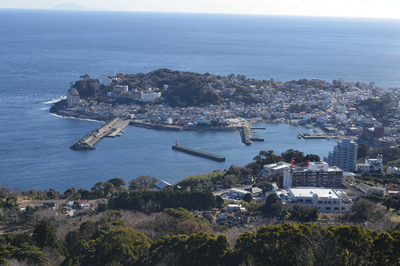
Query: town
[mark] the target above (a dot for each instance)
(336, 108)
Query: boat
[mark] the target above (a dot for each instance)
(255, 137)
(299, 136)
(121, 133)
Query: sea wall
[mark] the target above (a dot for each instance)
(199, 153)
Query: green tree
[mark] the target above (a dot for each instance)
(122, 246)
(271, 245)
(312, 158)
(248, 197)
(355, 243)
(52, 193)
(69, 192)
(142, 182)
(289, 154)
(220, 201)
(273, 205)
(197, 249)
(98, 190)
(109, 189)
(117, 182)
(180, 213)
(44, 235)
(362, 150)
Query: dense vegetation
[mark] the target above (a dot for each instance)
(189, 90)
(152, 201)
(112, 242)
(380, 106)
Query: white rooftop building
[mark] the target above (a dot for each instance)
(327, 200)
(160, 185)
(238, 192)
(274, 169)
(150, 97)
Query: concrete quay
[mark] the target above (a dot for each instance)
(199, 153)
(110, 129)
(117, 127)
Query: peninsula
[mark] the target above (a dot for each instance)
(175, 100)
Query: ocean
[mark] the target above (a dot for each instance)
(42, 51)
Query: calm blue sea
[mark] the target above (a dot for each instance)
(42, 51)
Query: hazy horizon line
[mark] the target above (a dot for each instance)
(89, 9)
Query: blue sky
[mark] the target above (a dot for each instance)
(336, 8)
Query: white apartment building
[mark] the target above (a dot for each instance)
(105, 80)
(273, 169)
(344, 155)
(327, 200)
(150, 97)
(72, 97)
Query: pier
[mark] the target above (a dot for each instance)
(110, 129)
(199, 153)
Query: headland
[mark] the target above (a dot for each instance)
(184, 101)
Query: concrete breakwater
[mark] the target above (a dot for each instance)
(110, 129)
(210, 128)
(245, 134)
(199, 153)
(313, 136)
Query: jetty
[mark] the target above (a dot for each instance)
(199, 153)
(110, 129)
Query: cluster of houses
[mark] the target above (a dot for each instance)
(68, 208)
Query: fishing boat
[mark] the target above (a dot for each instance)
(255, 137)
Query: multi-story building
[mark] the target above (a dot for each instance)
(326, 200)
(371, 165)
(150, 97)
(371, 133)
(72, 97)
(274, 169)
(344, 155)
(120, 88)
(317, 174)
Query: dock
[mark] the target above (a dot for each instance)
(110, 129)
(199, 153)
